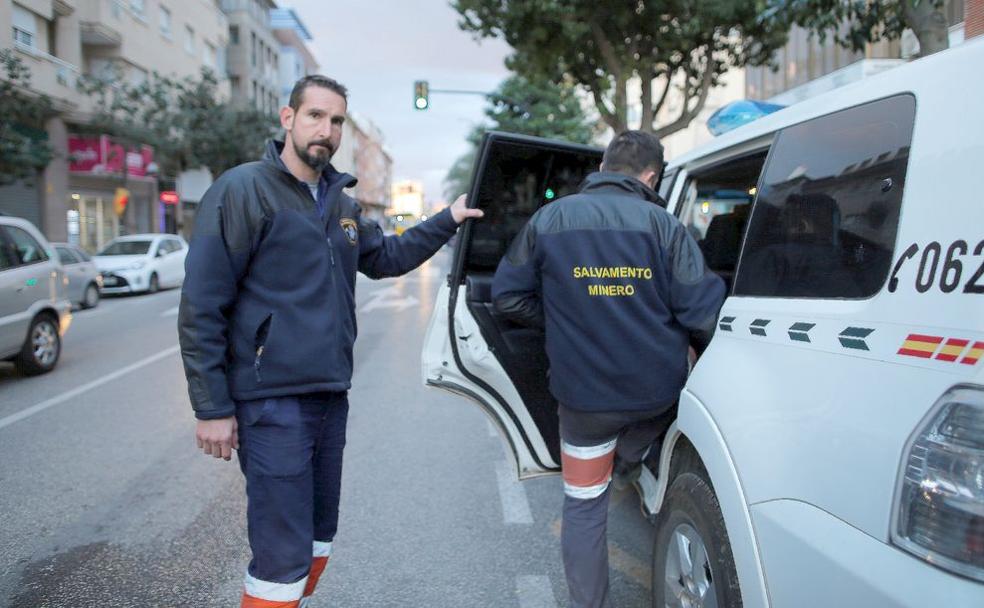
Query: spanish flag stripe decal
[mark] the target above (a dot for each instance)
(952, 349)
(917, 345)
(974, 354)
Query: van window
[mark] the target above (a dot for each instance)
(826, 217)
(23, 247)
(66, 256)
(715, 206)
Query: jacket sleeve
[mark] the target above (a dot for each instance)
(696, 293)
(217, 259)
(389, 256)
(516, 285)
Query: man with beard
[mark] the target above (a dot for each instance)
(267, 324)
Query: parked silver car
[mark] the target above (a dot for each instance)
(34, 312)
(84, 280)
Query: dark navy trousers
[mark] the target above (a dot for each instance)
(290, 450)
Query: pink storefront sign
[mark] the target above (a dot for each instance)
(100, 155)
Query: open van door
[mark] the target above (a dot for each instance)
(469, 349)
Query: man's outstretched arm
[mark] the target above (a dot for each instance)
(389, 256)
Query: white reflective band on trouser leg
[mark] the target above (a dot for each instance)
(588, 452)
(274, 592)
(586, 493)
(321, 549)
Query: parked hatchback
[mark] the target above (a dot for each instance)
(829, 445)
(34, 312)
(84, 280)
(142, 263)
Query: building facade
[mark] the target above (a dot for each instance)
(363, 154)
(296, 60)
(408, 198)
(60, 40)
(253, 55)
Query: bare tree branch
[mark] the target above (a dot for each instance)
(687, 114)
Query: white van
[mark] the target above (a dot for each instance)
(829, 449)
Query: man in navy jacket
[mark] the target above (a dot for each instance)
(267, 324)
(622, 291)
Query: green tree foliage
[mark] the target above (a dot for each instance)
(855, 23)
(24, 147)
(532, 107)
(186, 121)
(601, 46)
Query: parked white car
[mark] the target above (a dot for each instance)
(84, 280)
(34, 309)
(142, 263)
(829, 446)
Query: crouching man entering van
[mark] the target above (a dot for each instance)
(621, 289)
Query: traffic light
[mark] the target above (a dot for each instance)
(420, 90)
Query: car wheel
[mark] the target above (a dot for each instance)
(91, 296)
(692, 561)
(154, 285)
(42, 348)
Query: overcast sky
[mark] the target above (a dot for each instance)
(378, 48)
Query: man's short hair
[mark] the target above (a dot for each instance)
(314, 80)
(633, 152)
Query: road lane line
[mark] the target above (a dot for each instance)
(535, 592)
(515, 505)
(170, 312)
(75, 392)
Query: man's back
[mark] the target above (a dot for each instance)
(622, 286)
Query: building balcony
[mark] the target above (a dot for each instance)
(50, 75)
(101, 22)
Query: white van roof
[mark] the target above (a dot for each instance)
(932, 71)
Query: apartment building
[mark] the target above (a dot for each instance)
(364, 155)
(253, 55)
(59, 40)
(296, 60)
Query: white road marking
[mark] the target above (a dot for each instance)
(388, 298)
(170, 312)
(535, 592)
(75, 392)
(515, 505)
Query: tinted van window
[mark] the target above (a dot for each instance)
(23, 247)
(827, 212)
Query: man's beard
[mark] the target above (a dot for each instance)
(318, 162)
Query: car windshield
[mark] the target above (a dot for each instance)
(127, 248)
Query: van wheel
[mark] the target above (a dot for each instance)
(154, 284)
(41, 349)
(692, 561)
(91, 296)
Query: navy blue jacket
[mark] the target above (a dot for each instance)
(621, 288)
(268, 303)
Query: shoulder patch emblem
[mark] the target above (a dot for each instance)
(350, 229)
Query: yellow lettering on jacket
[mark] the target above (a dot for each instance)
(612, 272)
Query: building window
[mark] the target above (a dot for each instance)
(189, 40)
(165, 21)
(25, 26)
(827, 213)
(208, 56)
(234, 84)
(233, 34)
(252, 40)
(137, 6)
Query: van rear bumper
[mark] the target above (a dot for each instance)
(811, 558)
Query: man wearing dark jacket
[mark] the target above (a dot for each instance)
(267, 325)
(622, 291)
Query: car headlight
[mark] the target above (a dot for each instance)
(939, 503)
(137, 265)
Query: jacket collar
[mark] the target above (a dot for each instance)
(619, 183)
(331, 177)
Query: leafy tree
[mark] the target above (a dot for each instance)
(186, 121)
(855, 23)
(540, 108)
(601, 46)
(24, 147)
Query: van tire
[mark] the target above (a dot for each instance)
(42, 347)
(691, 510)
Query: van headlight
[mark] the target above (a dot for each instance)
(939, 503)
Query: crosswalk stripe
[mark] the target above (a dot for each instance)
(535, 592)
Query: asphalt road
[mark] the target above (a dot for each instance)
(104, 500)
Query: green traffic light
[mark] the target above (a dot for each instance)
(550, 194)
